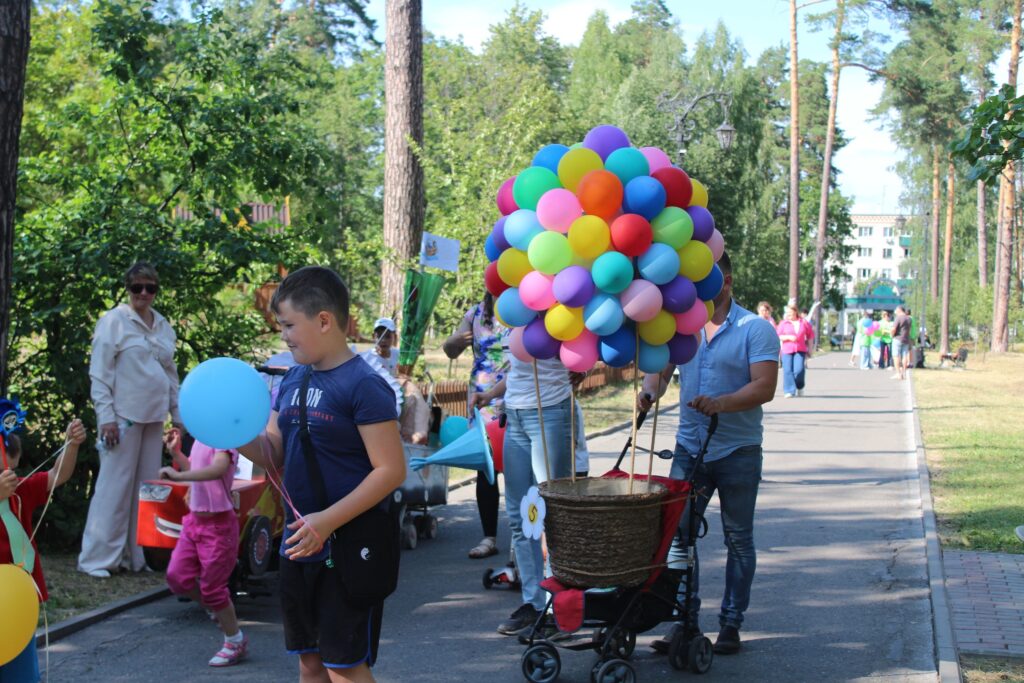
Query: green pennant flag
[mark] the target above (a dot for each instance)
(422, 290)
(21, 547)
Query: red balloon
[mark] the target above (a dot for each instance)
(496, 435)
(631, 234)
(600, 193)
(678, 188)
(495, 285)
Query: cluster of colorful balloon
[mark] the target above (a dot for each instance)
(600, 244)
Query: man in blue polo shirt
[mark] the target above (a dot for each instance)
(733, 374)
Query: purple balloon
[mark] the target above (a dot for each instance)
(678, 295)
(538, 342)
(703, 223)
(682, 348)
(573, 286)
(498, 232)
(605, 139)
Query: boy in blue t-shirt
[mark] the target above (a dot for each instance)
(355, 440)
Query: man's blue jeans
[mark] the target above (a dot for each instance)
(736, 477)
(865, 356)
(793, 369)
(524, 467)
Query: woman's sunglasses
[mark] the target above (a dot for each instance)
(137, 288)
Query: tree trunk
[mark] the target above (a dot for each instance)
(826, 173)
(1001, 303)
(933, 278)
(947, 252)
(794, 159)
(982, 238)
(15, 16)
(404, 204)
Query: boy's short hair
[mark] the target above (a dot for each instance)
(725, 263)
(140, 269)
(312, 289)
(13, 445)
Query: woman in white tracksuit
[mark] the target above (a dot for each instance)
(134, 387)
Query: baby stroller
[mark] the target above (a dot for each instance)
(618, 614)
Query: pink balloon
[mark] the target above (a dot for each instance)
(557, 209)
(515, 345)
(655, 158)
(580, 354)
(641, 300)
(691, 321)
(506, 203)
(535, 291)
(716, 243)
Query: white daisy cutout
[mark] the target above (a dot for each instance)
(532, 509)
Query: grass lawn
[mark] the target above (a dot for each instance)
(72, 592)
(973, 434)
(992, 669)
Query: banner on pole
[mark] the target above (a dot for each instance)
(440, 252)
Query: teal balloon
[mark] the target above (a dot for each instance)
(653, 358)
(224, 403)
(452, 428)
(603, 314)
(512, 309)
(612, 272)
(627, 163)
(531, 184)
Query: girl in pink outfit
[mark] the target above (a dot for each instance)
(207, 549)
(795, 333)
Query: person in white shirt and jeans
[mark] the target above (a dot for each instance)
(134, 387)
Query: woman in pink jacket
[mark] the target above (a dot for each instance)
(795, 333)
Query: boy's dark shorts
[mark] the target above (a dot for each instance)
(318, 619)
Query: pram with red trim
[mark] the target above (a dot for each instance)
(617, 615)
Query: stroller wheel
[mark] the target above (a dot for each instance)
(622, 644)
(488, 580)
(615, 671)
(700, 655)
(678, 650)
(409, 536)
(541, 663)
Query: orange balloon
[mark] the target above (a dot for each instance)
(600, 193)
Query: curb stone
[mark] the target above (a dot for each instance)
(76, 623)
(942, 623)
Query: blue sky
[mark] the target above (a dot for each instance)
(866, 162)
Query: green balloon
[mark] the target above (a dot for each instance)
(549, 252)
(612, 272)
(673, 226)
(531, 184)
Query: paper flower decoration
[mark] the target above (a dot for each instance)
(532, 509)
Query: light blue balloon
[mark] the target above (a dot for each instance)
(512, 309)
(603, 314)
(653, 358)
(224, 403)
(612, 272)
(452, 428)
(659, 264)
(549, 156)
(521, 227)
(627, 163)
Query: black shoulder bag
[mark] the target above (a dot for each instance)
(366, 550)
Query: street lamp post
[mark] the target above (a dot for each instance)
(683, 126)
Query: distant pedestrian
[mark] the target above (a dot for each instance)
(885, 326)
(796, 335)
(764, 309)
(862, 341)
(901, 342)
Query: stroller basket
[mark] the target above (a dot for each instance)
(599, 534)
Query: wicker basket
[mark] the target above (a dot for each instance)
(600, 535)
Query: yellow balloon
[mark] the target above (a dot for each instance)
(695, 261)
(563, 322)
(711, 308)
(700, 194)
(20, 605)
(513, 265)
(589, 236)
(577, 163)
(659, 329)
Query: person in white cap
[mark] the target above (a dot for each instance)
(385, 334)
(414, 420)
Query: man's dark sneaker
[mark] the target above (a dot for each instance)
(728, 641)
(522, 618)
(661, 645)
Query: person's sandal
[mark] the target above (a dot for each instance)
(484, 548)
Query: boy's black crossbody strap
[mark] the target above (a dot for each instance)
(316, 477)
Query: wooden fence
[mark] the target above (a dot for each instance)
(451, 394)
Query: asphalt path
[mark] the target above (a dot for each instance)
(841, 592)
